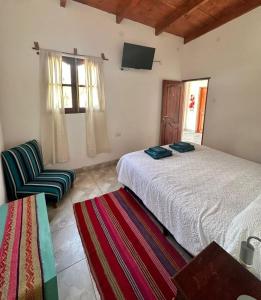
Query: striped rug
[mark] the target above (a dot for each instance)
(20, 261)
(128, 255)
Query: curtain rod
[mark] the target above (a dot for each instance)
(74, 54)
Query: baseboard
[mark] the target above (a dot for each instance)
(97, 166)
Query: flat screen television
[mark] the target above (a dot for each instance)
(137, 57)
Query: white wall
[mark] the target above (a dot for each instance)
(133, 97)
(2, 185)
(231, 55)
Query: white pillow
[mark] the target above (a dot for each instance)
(245, 224)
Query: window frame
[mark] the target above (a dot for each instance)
(74, 63)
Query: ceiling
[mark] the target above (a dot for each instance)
(185, 18)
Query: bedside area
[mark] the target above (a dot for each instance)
(215, 275)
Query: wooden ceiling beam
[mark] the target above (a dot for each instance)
(228, 15)
(124, 10)
(63, 3)
(169, 3)
(177, 14)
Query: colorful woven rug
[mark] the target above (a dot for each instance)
(27, 268)
(128, 255)
(20, 271)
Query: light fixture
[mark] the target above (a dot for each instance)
(247, 251)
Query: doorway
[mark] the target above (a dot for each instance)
(183, 111)
(172, 111)
(195, 99)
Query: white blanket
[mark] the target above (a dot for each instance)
(244, 225)
(195, 195)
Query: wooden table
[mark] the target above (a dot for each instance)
(215, 275)
(27, 264)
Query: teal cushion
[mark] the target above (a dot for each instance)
(154, 155)
(32, 157)
(54, 183)
(53, 190)
(15, 172)
(65, 178)
(25, 174)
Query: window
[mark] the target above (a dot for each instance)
(74, 85)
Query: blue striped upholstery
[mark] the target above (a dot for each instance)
(32, 157)
(25, 174)
(14, 171)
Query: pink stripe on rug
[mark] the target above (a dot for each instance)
(143, 242)
(132, 265)
(174, 254)
(17, 222)
(127, 259)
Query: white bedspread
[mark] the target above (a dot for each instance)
(195, 195)
(244, 225)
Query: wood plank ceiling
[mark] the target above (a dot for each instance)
(185, 18)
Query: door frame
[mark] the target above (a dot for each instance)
(181, 109)
(200, 108)
(199, 79)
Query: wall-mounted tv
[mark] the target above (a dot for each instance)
(137, 57)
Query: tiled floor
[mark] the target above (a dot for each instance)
(74, 280)
(192, 137)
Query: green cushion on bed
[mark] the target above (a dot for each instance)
(158, 152)
(182, 147)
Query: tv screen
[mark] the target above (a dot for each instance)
(137, 57)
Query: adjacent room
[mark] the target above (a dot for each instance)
(195, 102)
(130, 149)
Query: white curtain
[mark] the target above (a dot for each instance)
(54, 138)
(96, 127)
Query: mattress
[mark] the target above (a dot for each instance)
(195, 195)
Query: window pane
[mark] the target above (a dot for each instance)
(67, 97)
(66, 70)
(81, 74)
(82, 97)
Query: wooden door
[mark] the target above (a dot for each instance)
(172, 111)
(201, 109)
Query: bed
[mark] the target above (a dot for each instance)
(195, 195)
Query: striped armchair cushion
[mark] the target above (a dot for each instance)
(25, 174)
(15, 172)
(32, 157)
(53, 190)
